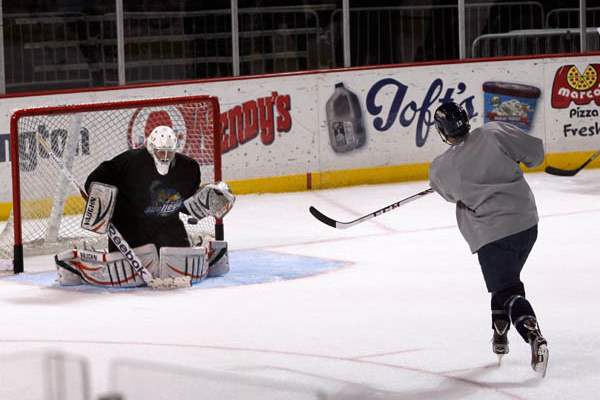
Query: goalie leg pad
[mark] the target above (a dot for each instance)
(69, 275)
(218, 258)
(104, 269)
(177, 262)
(66, 275)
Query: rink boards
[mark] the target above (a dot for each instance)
(324, 129)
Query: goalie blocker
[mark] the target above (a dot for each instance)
(87, 266)
(99, 207)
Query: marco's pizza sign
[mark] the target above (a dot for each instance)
(573, 86)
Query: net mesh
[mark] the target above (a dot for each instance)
(82, 138)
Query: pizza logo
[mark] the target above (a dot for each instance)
(583, 81)
(570, 85)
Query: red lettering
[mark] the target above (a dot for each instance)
(266, 119)
(236, 122)
(228, 141)
(284, 119)
(250, 130)
(245, 122)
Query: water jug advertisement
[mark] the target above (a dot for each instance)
(515, 103)
(344, 120)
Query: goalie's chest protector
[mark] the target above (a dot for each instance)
(148, 203)
(151, 195)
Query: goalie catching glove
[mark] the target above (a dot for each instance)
(212, 199)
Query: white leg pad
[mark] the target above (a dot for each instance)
(104, 269)
(65, 277)
(177, 262)
(218, 258)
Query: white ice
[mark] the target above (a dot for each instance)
(406, 318)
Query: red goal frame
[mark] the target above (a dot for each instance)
(18, 262)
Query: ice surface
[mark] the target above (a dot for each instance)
(405, 314)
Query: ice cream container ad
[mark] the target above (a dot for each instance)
(510, 102)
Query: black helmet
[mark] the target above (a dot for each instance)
(452, 122)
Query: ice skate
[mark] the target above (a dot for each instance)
(539, 347)
(500, 339)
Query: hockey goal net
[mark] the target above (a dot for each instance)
(47, 208)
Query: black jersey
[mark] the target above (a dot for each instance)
(148, 204)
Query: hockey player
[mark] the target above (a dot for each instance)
(496, 214)
(151, 185)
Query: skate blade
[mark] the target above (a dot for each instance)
(500, 351)
(541, 366)
(500, 359)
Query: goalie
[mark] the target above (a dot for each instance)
(142, 191)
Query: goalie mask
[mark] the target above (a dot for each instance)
(162, 145)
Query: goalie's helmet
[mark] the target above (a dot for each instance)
(451, 122)
(162, 145)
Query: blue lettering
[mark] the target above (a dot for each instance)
(43, 131)
(468, 105)
(28, 151)
(425, 117)
(375, 109)
(84, 142)
(404, 119)
(58, 141)
(4, 149)
(408, 113)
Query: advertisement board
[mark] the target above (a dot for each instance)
(330, 128)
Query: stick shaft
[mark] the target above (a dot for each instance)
(344, 225)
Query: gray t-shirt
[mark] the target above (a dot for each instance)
(482, 176)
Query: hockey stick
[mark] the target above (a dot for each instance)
(115, 236)
(344, 225)
(571, 172)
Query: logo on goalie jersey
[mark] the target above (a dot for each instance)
(164, 201)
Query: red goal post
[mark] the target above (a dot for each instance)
(47, 209)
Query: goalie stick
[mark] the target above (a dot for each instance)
(571, 172)
(344, 225)
(115, 236)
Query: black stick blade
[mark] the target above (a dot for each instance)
(561, 172)
(571, 172)
(322, 217)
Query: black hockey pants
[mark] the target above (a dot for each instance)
(501, 263)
